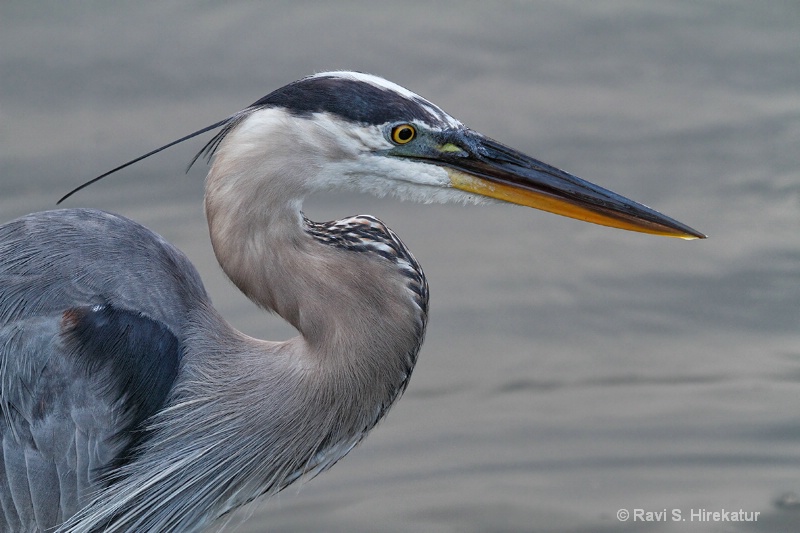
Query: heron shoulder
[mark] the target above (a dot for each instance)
(92, 257)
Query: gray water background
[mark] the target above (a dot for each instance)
(569, 370)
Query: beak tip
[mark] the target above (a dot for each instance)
(696, 237)
(687, 233)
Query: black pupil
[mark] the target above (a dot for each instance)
(405, 133)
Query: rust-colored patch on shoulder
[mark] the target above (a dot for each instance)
(71, 318)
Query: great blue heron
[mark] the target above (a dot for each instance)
(129, 404)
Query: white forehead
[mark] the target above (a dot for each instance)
(377, 81)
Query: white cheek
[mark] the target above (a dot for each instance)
(408, 180)
(369, 139)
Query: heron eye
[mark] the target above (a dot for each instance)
(403, 133)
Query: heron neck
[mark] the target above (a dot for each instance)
(353, 310)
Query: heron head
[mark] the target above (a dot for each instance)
(358, 131)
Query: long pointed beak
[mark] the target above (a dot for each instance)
(480, 165)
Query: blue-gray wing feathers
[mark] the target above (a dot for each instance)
(90, 327)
